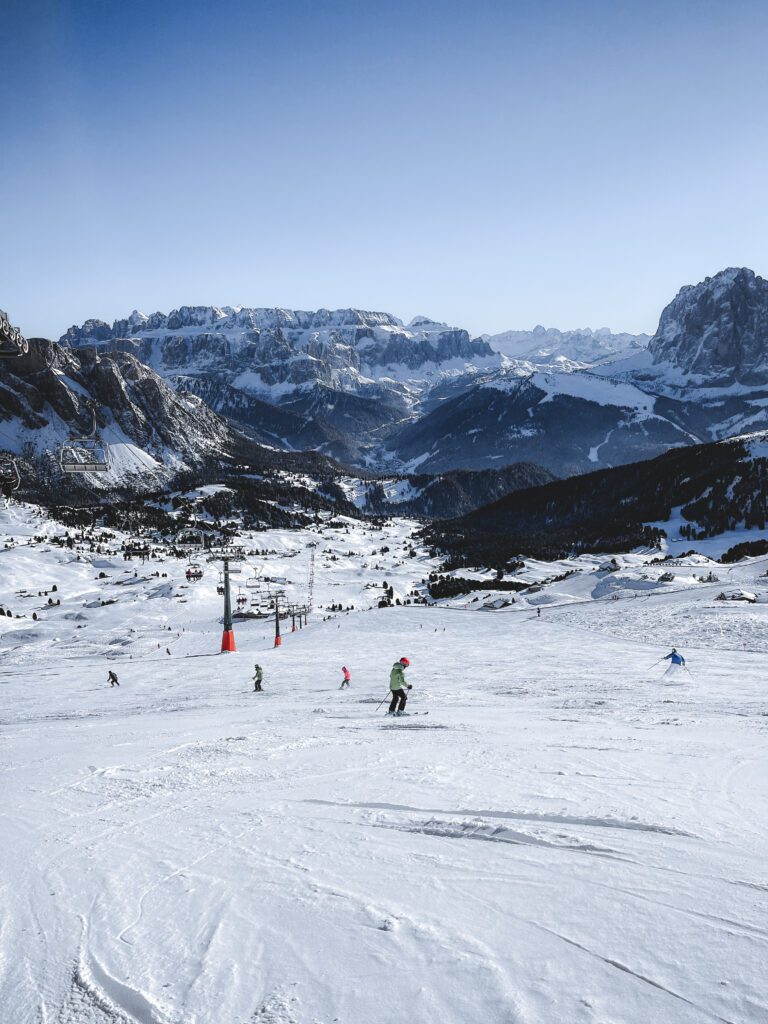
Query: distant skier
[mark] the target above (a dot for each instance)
(399, 687)
(676, 664)
(112, 678)
(538, 613)
(346, 677)
(258, 675)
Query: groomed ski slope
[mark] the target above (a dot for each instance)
(565, 837)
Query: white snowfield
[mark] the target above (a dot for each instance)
(558, 834)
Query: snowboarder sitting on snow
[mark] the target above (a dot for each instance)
(399, 687)
(346, 677)
(258, 675)
(112, 678)
(677, 659)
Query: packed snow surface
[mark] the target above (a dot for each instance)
(558, 834)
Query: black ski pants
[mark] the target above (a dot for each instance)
(398, 696)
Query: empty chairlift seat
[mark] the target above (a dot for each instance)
(84, 455)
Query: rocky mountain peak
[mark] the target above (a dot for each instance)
(717, 330)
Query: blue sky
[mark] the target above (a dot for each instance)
(496, 165)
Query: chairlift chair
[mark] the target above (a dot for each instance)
(134, 549)
(190, 538)
(194, 572)
(87, 454)
(84, 455)
(10, 479)
(12, 341)
(254, 582)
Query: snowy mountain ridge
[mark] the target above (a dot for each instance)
(547, 346)
(373, 392)
(348, 347)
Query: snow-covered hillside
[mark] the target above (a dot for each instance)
(557, 833)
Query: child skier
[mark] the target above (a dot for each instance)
(399, 687)
(346, 677)
(258, 675)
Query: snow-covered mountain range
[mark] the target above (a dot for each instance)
(427, 397)
(703, 376)
(565, 350)
(349, 381)
(340, 379)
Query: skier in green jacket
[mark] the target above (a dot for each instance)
(258, 675)
(399, 687)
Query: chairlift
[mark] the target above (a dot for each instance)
(194, 572)
(10, 479)
(192, 538)
(134, 549)
(242, 598)
(12, 341)
(254, 582)
(87, 454)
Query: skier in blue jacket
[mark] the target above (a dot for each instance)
(675, 658)
(676, 666)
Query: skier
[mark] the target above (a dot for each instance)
(676, 664)
(676, 659)
(538, 613)
(112, 678)
(258, 675)
(346, 677)
(399, 687)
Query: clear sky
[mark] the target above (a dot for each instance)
(493, 164)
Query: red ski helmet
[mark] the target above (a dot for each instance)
(404, 661)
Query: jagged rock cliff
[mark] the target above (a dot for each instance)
(716, 332)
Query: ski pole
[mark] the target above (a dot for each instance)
(655, 664)
(383, 702)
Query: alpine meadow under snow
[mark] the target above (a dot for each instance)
(559, 832)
